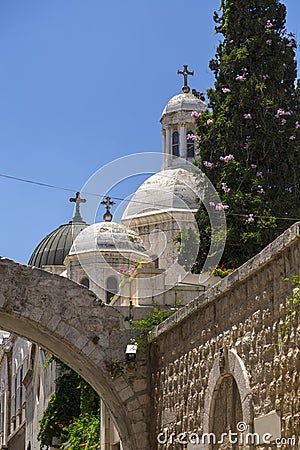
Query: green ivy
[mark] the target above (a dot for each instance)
(142, 328)
(292, 310)
(69, 407)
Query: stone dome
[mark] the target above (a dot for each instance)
(184, 102)
(168, 190)
(108, 236)
(53, 249)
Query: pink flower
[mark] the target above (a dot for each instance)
(292, 138)
(283, 121)
(208, 164)
(280, 112)
(195, 114)
(265, 77)
(225, 187)
(212, 204)
(231, 41)
(260, 189)
(226, 90)
(259, 174)
(269, 24)
(209, 121)
(240, 78)
(191, 137)
(247, 116)
(253, 166)
(290, 43)
(250, 218)
(269, 42)
(220, 206)
(297, 125)
(226, 158)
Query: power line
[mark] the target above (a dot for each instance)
(52, 186)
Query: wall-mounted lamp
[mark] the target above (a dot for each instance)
(130, 352)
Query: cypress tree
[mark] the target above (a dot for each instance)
(249, 138)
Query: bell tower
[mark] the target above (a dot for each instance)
(178, 125)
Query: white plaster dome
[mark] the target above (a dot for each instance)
(108, 236)
(168, 190)
(184, 102)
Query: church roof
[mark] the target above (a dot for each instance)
(184, 102)
(53, 249)
(168, 190)
(108, 236)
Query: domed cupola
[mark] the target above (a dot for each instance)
(178, 123)
(53, 249)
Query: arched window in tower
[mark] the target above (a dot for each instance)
(85, 282)
(175, 143)
(190, 146)
(112, 288)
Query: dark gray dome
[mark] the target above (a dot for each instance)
(53, 249)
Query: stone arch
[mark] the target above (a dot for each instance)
(72, 323)
(228, 364)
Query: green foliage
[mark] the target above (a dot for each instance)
(83, 432)
(253, 116)
(188, 248)
(221, 271)
(293, 309)
(115, 369)
(143, 327)
(73, 400)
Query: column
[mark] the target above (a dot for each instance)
(182, 142)
(168, 148)
(164, 164)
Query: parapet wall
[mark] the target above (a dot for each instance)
(226, 341)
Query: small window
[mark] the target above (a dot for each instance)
(112, 288)
(190, 146)
(175, 143)
(85, 282)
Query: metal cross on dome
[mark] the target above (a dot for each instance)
(77, 200)
(185, 72)
(108, 203)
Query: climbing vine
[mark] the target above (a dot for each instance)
(292, 310)
(72, 414)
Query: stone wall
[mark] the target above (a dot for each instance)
(231, 335)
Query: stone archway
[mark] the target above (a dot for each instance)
(228, 377)
(69, 321)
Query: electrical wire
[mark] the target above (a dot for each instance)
(52, 186)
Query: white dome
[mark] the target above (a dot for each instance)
(107, 236)
(184, 102)
(169, 190)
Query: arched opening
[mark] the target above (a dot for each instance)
(71, 323)
(190, 146)
(175, 143)
(85, 282)
(226, 412)
(112, 288)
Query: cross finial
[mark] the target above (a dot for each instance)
(108, 203)
(185, 72)
(77, 200)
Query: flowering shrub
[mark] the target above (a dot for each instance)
(250, 151)
(221, 271)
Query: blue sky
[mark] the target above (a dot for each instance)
(83, 83)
